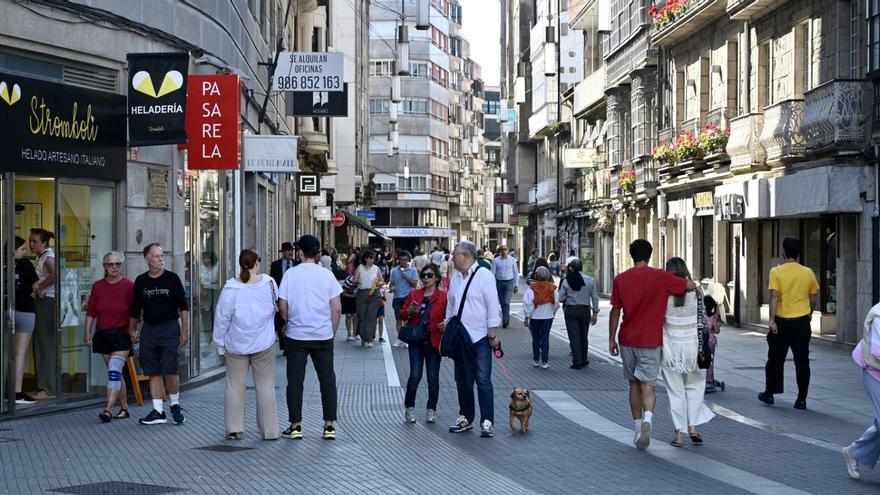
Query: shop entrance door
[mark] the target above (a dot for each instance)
(7, 298)
(85, 234)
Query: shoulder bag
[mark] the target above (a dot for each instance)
(421, 331)
(452, 339)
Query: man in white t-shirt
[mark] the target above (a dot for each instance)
(308, 299)
(420, 260)
(437, 257)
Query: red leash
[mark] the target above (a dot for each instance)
(499, 353)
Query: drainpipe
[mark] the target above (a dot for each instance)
(875, 231)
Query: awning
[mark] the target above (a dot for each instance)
(357, 222)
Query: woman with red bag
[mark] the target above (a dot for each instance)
(424, 305)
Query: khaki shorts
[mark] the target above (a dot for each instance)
(641, 363)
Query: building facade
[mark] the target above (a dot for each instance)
(82, 49)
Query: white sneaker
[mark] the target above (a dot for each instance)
(486, 429)
(545, 365)
(432, 416)
(370, 344)
(643, 439)
(397, 344)
(410, 415)
(536, 363)
(852, 465)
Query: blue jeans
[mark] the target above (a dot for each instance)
(505, 292)
(419, 356)
(475, 365)
(866, 449)
(540, 339)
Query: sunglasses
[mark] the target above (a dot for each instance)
(113, 264)
(259, 259)
(427, 275)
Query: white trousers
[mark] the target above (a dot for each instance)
(686, 391)
(263, 366)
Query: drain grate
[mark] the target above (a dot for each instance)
(223, 448)
(114, 487)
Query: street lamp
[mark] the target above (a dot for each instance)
(392, 113)
(395, 84)
(402, 50)
(406, 169)
(423, 15)
(550, 51)
(390, 151)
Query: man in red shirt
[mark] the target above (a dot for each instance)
(642, 293)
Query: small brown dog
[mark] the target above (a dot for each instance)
(521, 408)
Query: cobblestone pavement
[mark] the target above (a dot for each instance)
(579, 439)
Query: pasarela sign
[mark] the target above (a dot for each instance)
(213, 122)
(309, 71)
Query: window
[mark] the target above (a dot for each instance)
(381, 68)
(419, 183)
(379, 106)
(439, 39)
(802, 67)
(414, 106)
(439, 111)
(873, 35)
(855, 67)
(765, 75)
(439, 75)
(316, 40)
(416, 69)
(442, 6)
(439, 148)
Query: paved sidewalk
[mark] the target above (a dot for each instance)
(579, 440)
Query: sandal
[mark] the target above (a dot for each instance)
(696, 439)
(234, 436)
(105, 416)
(675, 442)
(123, 414)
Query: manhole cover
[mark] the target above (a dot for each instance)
(113, 487)
(223, 448)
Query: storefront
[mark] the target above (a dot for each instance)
(62, 158)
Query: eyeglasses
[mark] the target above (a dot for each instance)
(113, 264)
(427, 275)
(259, 259)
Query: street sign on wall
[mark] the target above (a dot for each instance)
(309, 71)
(338, 219)
(213, 120)
(505, 198)
(368, 214)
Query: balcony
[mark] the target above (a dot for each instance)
(545, 195)
(744, 146)
(781, 136)
(744, 10)
(539, 122)
(720, 117)
(590, 91)
(646, 178)
(694, 16)
(603, 185)
(835, 121)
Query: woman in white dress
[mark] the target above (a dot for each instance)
(685, 384)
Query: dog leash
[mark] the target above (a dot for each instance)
(499, 353)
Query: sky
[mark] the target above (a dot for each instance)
(482, 28)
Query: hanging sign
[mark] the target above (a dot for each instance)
(157, 98)
(213, 120)
(309, 71)
(320, 103)
(338, 219)
(57, 130)
(579, 158)
(505, 198)
(308, 184)
(271, 153)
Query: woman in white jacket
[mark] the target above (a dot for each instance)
(244, 332)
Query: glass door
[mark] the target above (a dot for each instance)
(85, 235)
(7, 299)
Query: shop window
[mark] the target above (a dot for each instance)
(819, 253)
(873, 35)
(707, 246)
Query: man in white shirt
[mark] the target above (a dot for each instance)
(308, 299)
(506, 274)
(420, 260)
(437, 256)
(480, 317)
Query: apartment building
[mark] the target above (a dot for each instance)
(426, 162)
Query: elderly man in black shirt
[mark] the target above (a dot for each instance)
(160, 308)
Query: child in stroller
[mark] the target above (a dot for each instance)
(714, 327)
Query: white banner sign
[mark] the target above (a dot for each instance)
(270, 153)
(309, 71)
(323, 213)
(416, 232)
(580, 158)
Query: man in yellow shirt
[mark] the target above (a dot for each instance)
(793, 289)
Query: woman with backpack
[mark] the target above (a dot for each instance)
(244, 332)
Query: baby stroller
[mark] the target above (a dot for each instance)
(714, 327)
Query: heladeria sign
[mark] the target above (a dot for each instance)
(56, 130)
(157, 98)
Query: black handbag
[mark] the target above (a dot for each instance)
(451, 341)
(420, 332)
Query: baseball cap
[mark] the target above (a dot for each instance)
(309, 244)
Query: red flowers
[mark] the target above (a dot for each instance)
(668, 12)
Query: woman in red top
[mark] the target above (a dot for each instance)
(425, 304)
(108, 312)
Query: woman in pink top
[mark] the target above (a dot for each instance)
(866, 450)
(108, 313)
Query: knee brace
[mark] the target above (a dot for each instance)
(114, 372)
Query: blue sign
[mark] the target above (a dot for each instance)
(368, 214)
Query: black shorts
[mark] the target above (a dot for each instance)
(159, 348)
(110, 341)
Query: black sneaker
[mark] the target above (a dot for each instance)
(329, 432)
(293, 432)
(176, 414)
(23, 398)
(154, 418)
(105, 416)
(461, 425)
(486, 430)
(766, 398)
(800, 404)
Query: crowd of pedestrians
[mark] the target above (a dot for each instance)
(660, 324)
